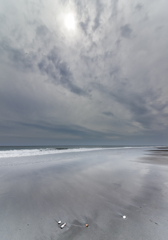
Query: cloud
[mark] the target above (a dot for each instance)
(138, 105)
(126, 31)
(51, 65)
(42, 30)
(18, 56)
(139, 7)
(59, 72)
(57, 131)
(110, 114)
(87, 83)
(84, 25)
(99, 9)
(144, 108)
(115, 8)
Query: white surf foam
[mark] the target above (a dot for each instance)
(37, 152)
(46, 151)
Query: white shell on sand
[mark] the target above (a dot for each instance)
(63, 225)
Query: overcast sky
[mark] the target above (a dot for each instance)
(83, 72)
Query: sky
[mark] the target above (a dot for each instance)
(83, 72)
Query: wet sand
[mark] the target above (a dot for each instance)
(96, 187)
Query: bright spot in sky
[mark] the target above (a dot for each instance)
(70, 21)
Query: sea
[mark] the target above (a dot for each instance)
(24, 151)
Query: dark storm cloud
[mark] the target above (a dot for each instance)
(126, 31)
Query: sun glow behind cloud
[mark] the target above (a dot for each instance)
(70, 22)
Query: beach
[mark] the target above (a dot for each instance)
(95, 187)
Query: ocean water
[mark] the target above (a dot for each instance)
(15, 156)
(22, 151)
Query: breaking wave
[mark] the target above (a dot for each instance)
(46, 151)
